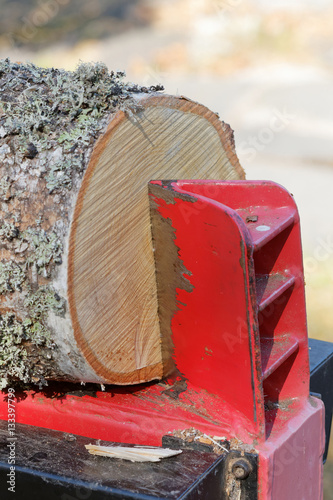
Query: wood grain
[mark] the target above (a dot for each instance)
(111, 273)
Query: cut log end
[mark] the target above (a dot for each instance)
(79, 233)
(112, 281)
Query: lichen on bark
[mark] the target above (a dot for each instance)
(45, 247)
(50, 120)
(11, 277)
(49, 107)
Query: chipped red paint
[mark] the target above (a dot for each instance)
(240, 242)
(240, 342)
(248, 281)
(140, 414)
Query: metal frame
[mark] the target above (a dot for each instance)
(55, 465)
(240, 350)
(321, 380)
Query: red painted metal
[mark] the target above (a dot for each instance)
(291, 458)
(240, 341)
(141, 414)
(216, 346)
(245, 261)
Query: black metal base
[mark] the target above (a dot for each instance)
(54, 465)
(321, 379)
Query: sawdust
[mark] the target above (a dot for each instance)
(219, 444)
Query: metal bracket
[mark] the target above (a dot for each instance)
(321, 376)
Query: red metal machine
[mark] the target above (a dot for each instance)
(240, 345)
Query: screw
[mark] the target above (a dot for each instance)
(241, 469)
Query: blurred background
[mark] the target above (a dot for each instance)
(265, 67)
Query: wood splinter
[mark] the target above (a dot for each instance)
(136, 454)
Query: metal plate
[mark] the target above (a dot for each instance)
(52, 464)
(55, 465)
(321, 378)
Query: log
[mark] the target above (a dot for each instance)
(77, 275)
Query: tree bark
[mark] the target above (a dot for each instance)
(77, 276)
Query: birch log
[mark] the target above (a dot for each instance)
(77, 278)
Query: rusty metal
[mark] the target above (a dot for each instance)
(241, 469)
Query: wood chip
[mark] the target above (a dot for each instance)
(136, 454)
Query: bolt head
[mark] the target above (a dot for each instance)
(241, 469)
